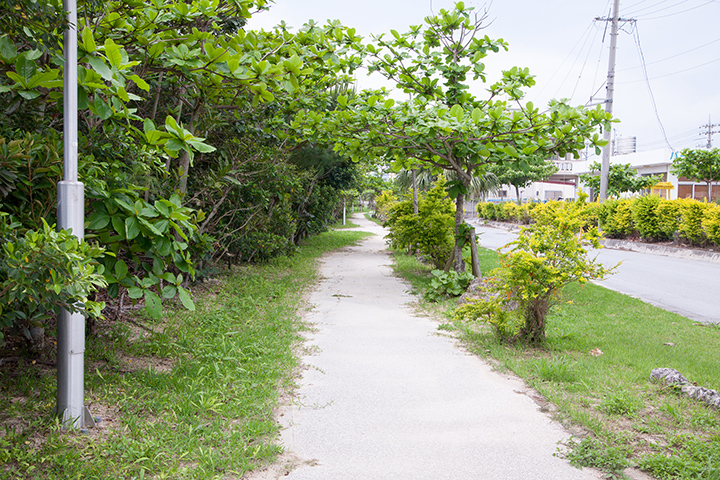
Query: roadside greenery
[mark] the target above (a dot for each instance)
(650, 218)
(622, 178)
(184, 148)
(444, 126)
(190, 395)
(598, 383)
(429, 233)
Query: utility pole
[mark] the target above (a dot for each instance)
(610, 88)
(71, 216)
(709, 131)
(605, 168)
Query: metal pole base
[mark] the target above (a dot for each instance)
(85, 420)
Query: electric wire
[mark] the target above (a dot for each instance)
(647, 82)
(583, 39)
(635, 12)
(582, 69)
(685, 70)
(678, 13)
(673, 56)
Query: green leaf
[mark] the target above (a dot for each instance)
(477, 114)
(88, 40)
(169, 291)
(186, 299)
(135, 292)
(372, 100)
(142, 84)
(98, 221)
(132, 227)
(8, 51)
(121, 270)
(153, 304)
(99, 66)
(112, 52)
(102, 109)
(457, 112)
(25, 69)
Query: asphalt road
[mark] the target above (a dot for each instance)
(690, 287)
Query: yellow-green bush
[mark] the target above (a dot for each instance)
(430, 232)
(711, 223)
(691, 220)
(655, 219)
(615, 218)
(511, 211)
(383, 202)
(668, 213)
(645, 216)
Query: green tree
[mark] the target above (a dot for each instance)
(444, 126)
(622, 178)
(547, 256)
(700, 165)
(538, 169)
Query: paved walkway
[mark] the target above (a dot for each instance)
(386, 396)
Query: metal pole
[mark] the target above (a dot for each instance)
(605, 169)
(71, 215)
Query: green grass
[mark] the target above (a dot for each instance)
(630, 420)
(193, 400)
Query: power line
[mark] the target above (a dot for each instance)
(583, 39)
(647, 82)
(635, 12)
(673, 56)
(685, 70)
(678, 13)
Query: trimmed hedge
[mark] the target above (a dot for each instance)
(651, 218)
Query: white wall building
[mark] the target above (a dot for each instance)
(565, 183)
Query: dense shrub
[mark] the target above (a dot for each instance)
(430, 232)
(42, 271)
(645, 216)
(383, 202)
(691, 219)
(711, 223)
(615, 218)
(668, 213)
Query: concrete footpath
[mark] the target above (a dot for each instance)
(385, 395)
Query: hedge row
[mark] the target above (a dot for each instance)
(649, 218)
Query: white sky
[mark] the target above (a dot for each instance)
(561, 44)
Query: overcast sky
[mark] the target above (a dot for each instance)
(559, 41)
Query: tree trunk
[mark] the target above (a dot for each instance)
(709, 191)
(533, 332)
(416, 208)
(474, 255)
(184, 169)
(517, 193)
(458, 261)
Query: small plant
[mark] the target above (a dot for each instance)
(447, 284)
(546, 257)
(505, 323)
(557, 369)
(621, 404)
(42, 271)
(593, 452)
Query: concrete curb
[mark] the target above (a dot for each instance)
(640, 247)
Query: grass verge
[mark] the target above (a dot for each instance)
(626, 420)
(189, 397)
